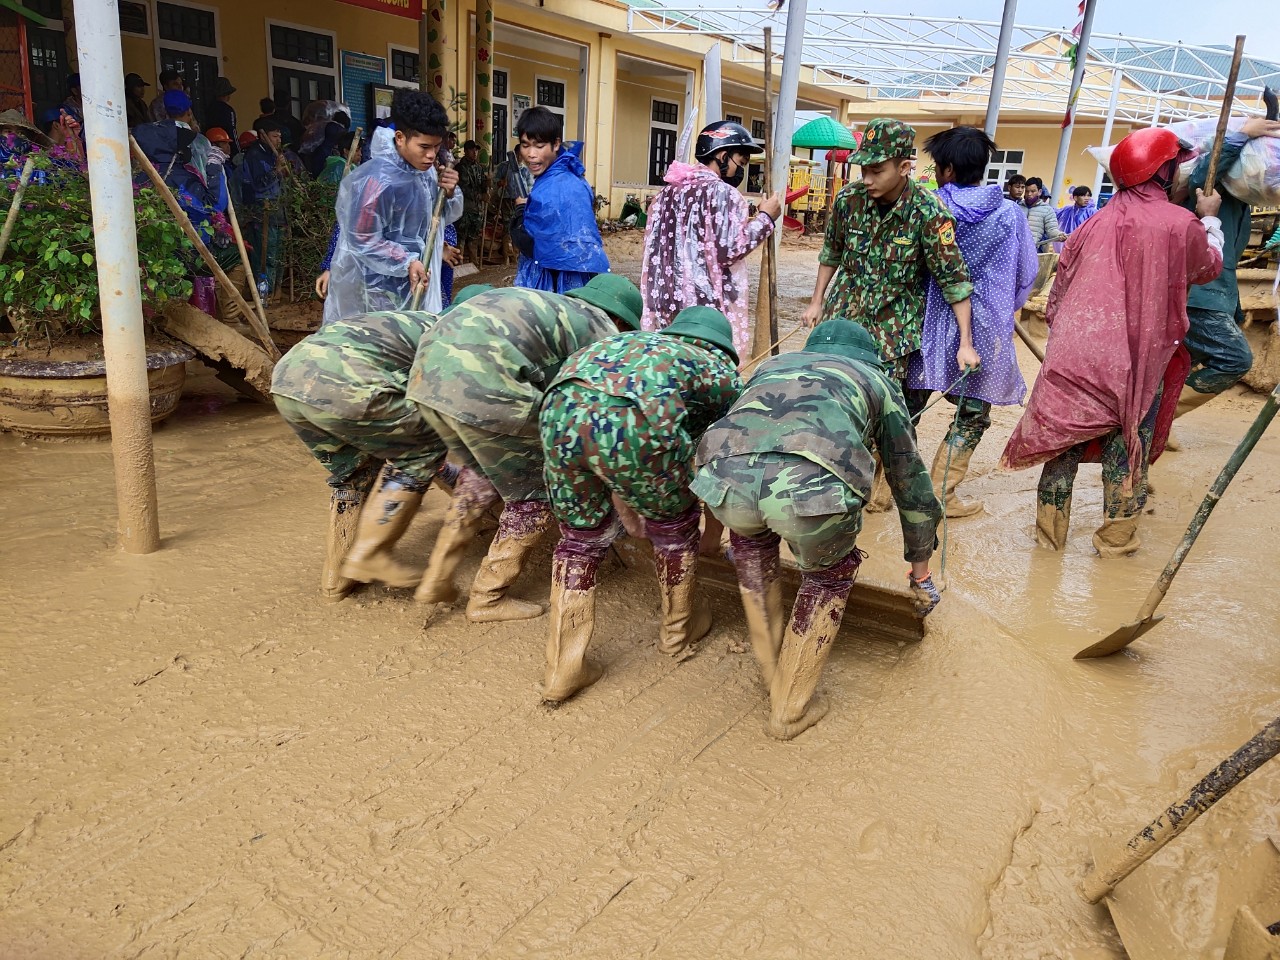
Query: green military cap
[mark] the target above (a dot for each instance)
(884, 139)
(469, 291)
(707, 325)
(615, 295)
(844, 338)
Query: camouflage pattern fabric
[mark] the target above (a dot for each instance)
(811, 508)
(965, 433)
(512, 464)
(488, 361)
(883, 263)
(355, 369)
(597, 445)
(472, 181)
(345, 446)
(832, 411)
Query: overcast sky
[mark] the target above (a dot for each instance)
(1202, 22)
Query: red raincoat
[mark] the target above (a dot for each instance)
(1117, 316)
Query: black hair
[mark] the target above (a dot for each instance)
(267, 105)
(471, 145)
(415, 112)
(1036, 182)
(342, 119)
(1017, 180)
(1082, 191)
(540, 125)
(966, 150)
(267, 125)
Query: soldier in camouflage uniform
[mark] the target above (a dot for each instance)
(478, 380)
(623, 418)
(792, 460)
(342, 391)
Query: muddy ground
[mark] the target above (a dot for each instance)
(203, 760)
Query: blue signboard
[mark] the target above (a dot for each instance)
(359, 70)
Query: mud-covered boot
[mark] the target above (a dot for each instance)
(794, 705)
(675, 558)
(473, 494)
(383, 521)
(344, 515)
(756, 561)
(881, 498)
(947, 477)
(1190, 399)
(1117, 537)
(1051, 525)
(573, 609)
(521, 526)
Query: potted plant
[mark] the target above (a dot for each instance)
(52, 371)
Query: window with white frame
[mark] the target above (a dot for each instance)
(733, 118)
(402, 63)
(303, 65)
(502, 132)
(549, 92)
(1004, 164)
(186, 40)
(757, 130)
(664, 126)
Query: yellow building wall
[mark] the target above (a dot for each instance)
(636, 93)
(521, 79)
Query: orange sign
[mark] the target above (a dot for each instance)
(400, 8)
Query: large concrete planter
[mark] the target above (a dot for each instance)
(62, 399)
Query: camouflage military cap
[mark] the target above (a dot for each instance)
(844, 338)
(885, 139)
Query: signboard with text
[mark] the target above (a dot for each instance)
(360, 71)
(399, 8)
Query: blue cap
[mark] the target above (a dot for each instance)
(176, 103)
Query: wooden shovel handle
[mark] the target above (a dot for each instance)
(1227, 99)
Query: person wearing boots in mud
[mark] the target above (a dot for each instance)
(886, 236)
(342, 391)
(792, 460)
(1115, 361)
(993, 235)
(479, 378)
(623, 418)
(1220, 355)
(700, 232)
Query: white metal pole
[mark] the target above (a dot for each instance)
(116, 243)
(711, 85)
(1116, 77)
(1077, 78)
(784, 123)
(1000, 66)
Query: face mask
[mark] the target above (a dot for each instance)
(735, 180)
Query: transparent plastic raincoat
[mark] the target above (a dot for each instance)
(384, 214)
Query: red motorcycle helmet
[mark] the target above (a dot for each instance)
(1139, 156)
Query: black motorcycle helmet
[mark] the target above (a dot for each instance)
(724, 135)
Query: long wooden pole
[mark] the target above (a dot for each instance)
(1228, 98)
(415, 302)
(184, 222)
(766, 331)
(12, 216)
(351, 153)
(244, 260)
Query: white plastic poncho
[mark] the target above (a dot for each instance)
(384, 214)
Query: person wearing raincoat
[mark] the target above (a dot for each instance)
(700, 232)
(384, 213)
(555, 229)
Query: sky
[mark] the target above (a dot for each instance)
(1178, 19)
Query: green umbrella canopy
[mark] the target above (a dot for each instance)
(824, 134)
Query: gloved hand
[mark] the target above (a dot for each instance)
(924, 593)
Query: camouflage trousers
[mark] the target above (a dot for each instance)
(597, 445)
(784, 494)
(966, 430)
(512, 464)
(346, 447)
(1058, 478)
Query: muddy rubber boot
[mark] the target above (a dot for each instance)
(344, 516)
(573, 618)
(1117, 538)
(675, 558)
(1189, 399)
(881, 498)
(383, 521)
(472, 496)
(1051, 525)
(756, 561)
(521, 526)
(945, 480)
(794, 706)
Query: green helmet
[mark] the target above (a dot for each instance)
(707, 325)
(844, 338)
(616, 296)
(469, 291)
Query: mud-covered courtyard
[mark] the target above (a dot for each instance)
(201, 759)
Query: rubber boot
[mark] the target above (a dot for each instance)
(472, 496)
(1051, 525)
(1117, 537)
(794, 706)
(573, 609)
(383, 521)
(1189, 399)
(675, 558)
(881, 496)
(521, 526)
(946, 478)
(756, 561)
(344, 516)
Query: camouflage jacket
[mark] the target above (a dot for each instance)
(678, 384)
(832, 410)
(884, 261)
(357, 368)
(489, 360)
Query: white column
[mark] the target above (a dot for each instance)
(711, 84)
(1117, 76)
(788, 90)
(116, 244)
(1000, 66)
(1077, 78)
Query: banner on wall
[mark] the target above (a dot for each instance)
(399, 8)
(360, 72)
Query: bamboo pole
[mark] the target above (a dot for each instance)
(351, 153)
(767, 300)
(415, 302)
(244, 260)
(12, 217)
(184, 222)
(1227, 98)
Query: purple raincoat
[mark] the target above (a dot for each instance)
(996, 242)
(1070, 217)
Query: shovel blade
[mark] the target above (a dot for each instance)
(1119, 639)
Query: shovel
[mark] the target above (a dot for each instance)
(1147, 619)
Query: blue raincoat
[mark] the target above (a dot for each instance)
(560, 216)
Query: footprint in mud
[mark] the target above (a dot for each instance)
(874, 839)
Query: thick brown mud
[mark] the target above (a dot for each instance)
(202, 759)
